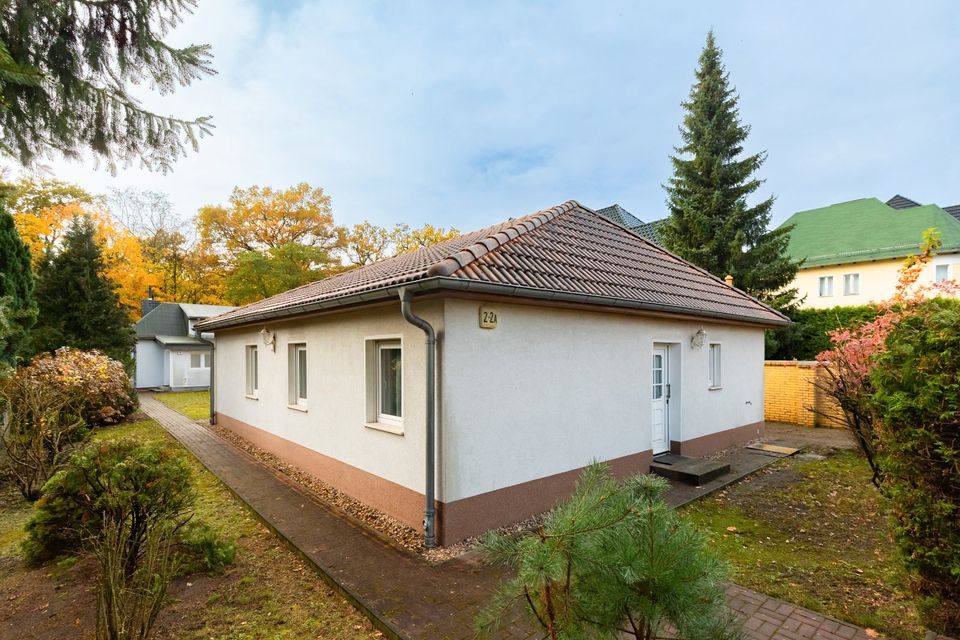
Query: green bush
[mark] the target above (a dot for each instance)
(205, 549)
(612, 561)
(143, 484)
(916, 402)
(807, 337)
(41, 426)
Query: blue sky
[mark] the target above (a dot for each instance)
(467, 113)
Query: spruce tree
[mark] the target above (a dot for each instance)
(16, 288)
(710, 223)
(79, 307)
(66, 72)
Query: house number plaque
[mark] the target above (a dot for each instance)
(488, 318)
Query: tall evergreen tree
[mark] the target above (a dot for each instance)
(711, 223)
(16, 288)
(79, 307)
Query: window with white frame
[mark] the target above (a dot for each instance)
(297, 357)
(389, 382)
(826, 286)
(942, 273)
(198, 360)
(252, 367)
(714, 366)
(851, 284)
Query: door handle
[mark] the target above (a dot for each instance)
(668, 393)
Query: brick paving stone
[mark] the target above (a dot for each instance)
(402, 594)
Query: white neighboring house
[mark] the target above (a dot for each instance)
(169, 354)
(561, 338)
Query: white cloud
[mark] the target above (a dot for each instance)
(466, 113)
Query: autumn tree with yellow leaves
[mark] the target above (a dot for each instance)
(271, 240)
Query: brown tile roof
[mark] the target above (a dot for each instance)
(565, 253)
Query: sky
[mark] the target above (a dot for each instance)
(465, 114)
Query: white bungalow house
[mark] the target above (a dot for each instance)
(471, 381)
(168, 352)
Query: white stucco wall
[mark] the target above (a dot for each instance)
(549, 390)
(336, 413)
(150, 364)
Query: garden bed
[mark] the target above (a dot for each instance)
(268, 593)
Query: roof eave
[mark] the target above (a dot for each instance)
(476, 286)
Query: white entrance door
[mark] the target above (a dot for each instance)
(179, 368)
(660, 427)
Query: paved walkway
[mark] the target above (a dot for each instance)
(402, 594)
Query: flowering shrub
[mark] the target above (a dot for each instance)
(98, 385)
(851, 360)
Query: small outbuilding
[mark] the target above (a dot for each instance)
(466, 385)
(168, 352)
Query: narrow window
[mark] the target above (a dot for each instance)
(198, 360)
(851, 284)
(715, 366)
(389, 383)
(826, 286)
(942, 273)
(253, 384)
(298, 374)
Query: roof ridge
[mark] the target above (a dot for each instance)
(502, 236)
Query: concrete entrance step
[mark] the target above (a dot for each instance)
(695, 471)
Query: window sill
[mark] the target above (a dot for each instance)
(714, 388)
(395, 429)
(297, 407)
(250, 396)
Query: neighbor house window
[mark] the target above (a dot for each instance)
(253, 383)
(714, 366)
(942, 273)
(389, 383)
(298, 375)
(826, 286)
(851, 284)
(198, 360)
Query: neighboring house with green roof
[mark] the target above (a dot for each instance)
(853, 250)
(646, 230)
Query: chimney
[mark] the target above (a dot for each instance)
(148, 305)
(729, 280)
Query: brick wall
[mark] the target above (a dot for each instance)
(790, 395)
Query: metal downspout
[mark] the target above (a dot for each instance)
(430, 514)
(213, 348)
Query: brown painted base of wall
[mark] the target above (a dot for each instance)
(474, 515)
(705, 445)
(406, 505)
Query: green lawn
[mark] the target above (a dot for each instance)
(813, 532)
(268, 593)
(193, 404)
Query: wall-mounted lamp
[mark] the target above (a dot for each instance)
(697, 339)
(269, 338)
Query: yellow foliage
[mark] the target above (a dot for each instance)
(258, 219)
(124, 262)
